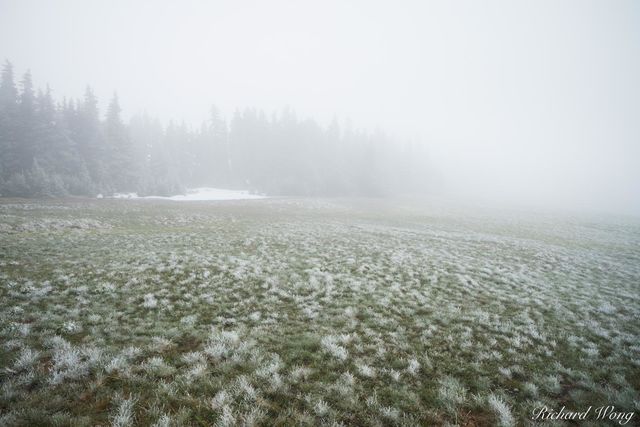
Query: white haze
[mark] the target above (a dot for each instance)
(533, 103)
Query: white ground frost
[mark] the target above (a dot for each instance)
(311, 312)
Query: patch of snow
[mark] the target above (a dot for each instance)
(197, 194)
(122, 196)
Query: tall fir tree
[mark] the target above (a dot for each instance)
(119, 151)
(87, 133)
(27, 141)
(9, 163)
(219, 134)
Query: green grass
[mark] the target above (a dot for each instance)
(307, 312)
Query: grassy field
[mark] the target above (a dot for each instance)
(312, 312)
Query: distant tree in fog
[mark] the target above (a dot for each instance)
(119, 158)
(52, 149)
(8, 121)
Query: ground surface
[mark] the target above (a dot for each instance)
(300, 312)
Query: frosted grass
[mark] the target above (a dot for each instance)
(311, 312)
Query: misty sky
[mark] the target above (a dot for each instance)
(534, 102)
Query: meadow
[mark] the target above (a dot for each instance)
(313, 312)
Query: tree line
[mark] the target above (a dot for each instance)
(58, 148)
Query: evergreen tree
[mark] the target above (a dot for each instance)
(8, 91)
(8, 123)
(88, 137)
(220, 161)
(26, 138)
(119, 153)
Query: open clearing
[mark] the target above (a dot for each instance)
(311, 312)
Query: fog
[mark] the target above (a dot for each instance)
(328, 212)
(523, 103)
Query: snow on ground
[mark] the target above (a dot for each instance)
(198, 194)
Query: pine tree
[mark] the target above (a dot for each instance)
(26, 138)
(56, 150)
(87, 134)
(8, 130)
(119, 152)
(220, 162)
(8, 91)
